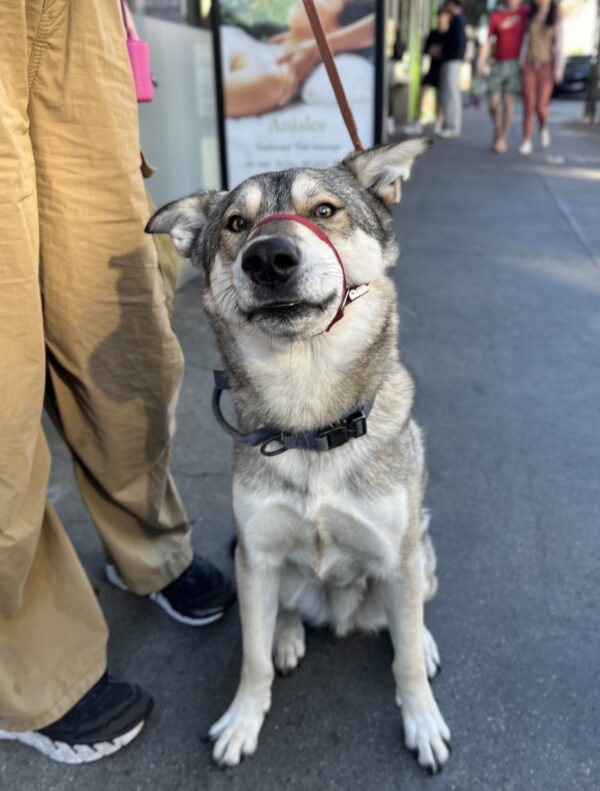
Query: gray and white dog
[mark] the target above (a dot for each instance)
(335, 536)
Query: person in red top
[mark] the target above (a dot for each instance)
(505, 38)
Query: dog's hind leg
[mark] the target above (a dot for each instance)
(290, 646)
(236, 733)
(430, 585)
(428, 559)
(432, 655)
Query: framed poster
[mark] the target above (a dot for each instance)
(277, 109)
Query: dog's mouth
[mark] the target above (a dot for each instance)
(286, 311)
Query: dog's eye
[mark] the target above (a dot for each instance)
(325, 210)
(237, 224)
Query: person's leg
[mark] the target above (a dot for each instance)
(494, 86)
(422, 91)
(53, 645)
(458, 108)
(451, 97)
(52, 633)
(444, 91)
(115, 363)
(494, 108)
(439, 110)
(544, 94)
(507, 111)
(511, 88)
(450, 91)
(529, 81)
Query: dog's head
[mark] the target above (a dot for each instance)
(281, 276)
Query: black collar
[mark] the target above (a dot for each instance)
(350, 426)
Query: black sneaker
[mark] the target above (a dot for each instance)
(198, 597)
(106, 719)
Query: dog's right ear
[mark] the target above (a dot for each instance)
(184, 219)
(381, 169)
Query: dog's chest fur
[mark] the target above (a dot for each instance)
(332, 530)
(329, 537)
(334, 517)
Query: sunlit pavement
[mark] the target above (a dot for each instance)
(499, 285)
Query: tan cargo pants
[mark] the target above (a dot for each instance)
(82, 319)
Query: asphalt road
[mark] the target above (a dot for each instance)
(499, 285)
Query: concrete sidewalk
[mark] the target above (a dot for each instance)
(499, 285)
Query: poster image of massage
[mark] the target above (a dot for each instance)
(278, 107)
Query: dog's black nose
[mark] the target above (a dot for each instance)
(270, 261)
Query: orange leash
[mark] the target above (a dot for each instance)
(334, 77)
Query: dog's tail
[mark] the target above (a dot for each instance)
(428, 559)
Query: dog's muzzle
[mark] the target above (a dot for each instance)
(272, 261)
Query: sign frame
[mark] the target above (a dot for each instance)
(378, 95)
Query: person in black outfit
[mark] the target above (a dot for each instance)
(454, 46)
(434, 47)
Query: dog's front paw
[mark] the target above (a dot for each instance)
(425, 732)
(236, 733)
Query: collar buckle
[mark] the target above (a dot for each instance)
(355, 425)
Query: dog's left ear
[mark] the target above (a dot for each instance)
(184, 219)
(380, 169)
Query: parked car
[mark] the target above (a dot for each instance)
(578, 69)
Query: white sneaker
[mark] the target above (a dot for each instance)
(448, 134)
(526, 148)
(108, 717)
(413, 129)
(196, 598)
(544, 137)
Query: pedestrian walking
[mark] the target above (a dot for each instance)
(543, 65)
(434, 48)
(83, 325)
(505, 39)
(455, 43)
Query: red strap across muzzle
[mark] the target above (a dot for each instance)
(348, 295)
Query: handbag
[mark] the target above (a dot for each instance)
(139, 57)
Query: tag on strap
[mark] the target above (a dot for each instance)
(359, 291)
